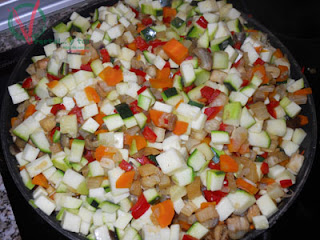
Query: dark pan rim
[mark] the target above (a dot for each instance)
(83, 9)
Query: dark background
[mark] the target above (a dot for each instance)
(297, 25)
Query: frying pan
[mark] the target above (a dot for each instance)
(8, 110)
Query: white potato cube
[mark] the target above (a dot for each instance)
(170, 161)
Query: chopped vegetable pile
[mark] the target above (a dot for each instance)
(151, 122)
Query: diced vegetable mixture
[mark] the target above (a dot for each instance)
(159, 122)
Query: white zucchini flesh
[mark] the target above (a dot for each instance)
(266, 205)
(260, 222)
(165, 161)
(224, 208)
(102, 233)
(45, 204)
(71, 222)
(39, 165)
(17, 93)
(73, 179)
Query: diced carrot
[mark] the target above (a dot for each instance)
(29, 111)
(13, 120)
(284, 163)
(169, 12)
(103, 151)
(228, 164)
(303, 120)
(21, 168)
(52, 84)
(284, 73)
(40, 180)
(128, 139)
(305, 91)
(155, 116)
(278, 53)
(132, 46)
(261, 69)
(125, 180)
(180, 127)
(176, 51)
(258, 49)
(202, 100)
(156, 83)
(140, 27)
(112, 76)
(207, 204)
(267, 181)
(99, 118)
(140, 141)
(252, 227)
(184, 225)
(177, 105)
(164, 213)
(206, 140)
(244, 185)
(52, 196)
(92, 94)
(162, 79)
(163, 74)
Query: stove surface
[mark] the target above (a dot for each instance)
(25, 12)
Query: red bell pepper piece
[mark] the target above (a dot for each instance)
(147, 21)
(264, 168)
(166, 19)
(52, 77)
(141, 43)
(53, 131)
(141, 90)
(88, 155)
(245, 82)
(286, 183)
(124, 165)
(222, 127)
(135, 11)
(140, 207)
(138, 72)
(144, 160)
(209, 93)
(271, 106)
(188, 89)
(264, 155)
(237, 45)
(213, 165)
(77, 111)
(57, 107)
(149, 134)
(134, 107)
(104, 55)
(212, 112)
(156, 43)
(214, 196)
(202, 22)
(86, 67)
(27, 82)
(259, 61)
(188, 237)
